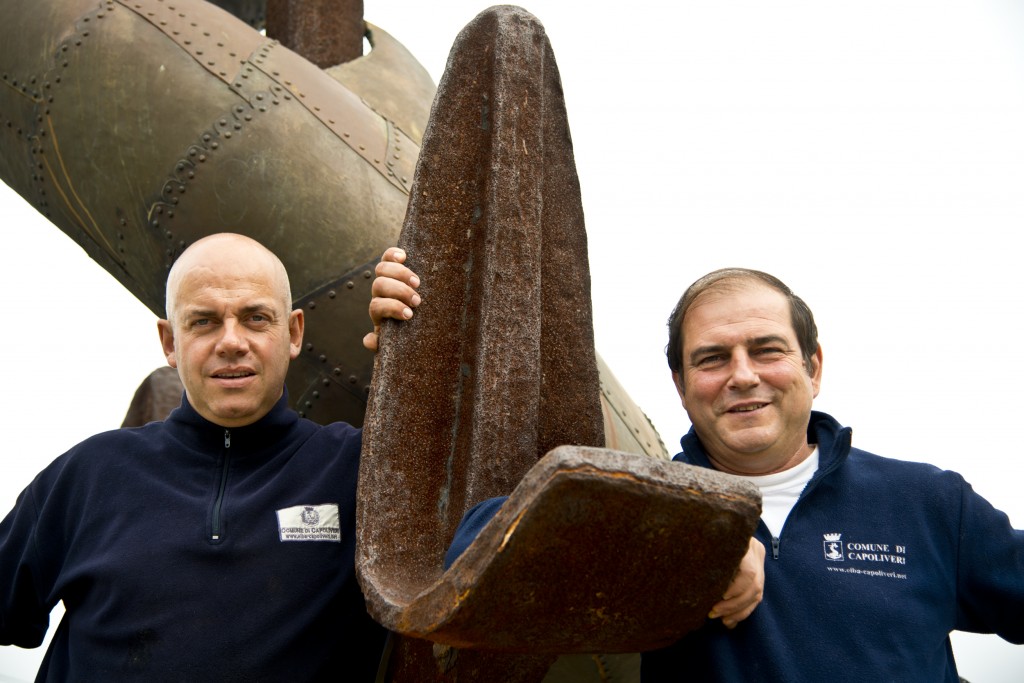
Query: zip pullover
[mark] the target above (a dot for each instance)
(877, 563)
(184, 551)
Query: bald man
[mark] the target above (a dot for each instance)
(217, 545)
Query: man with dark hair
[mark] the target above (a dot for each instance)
(803, 320)
(873, 561)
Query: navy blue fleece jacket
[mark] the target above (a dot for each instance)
(184, 551)
(878, 561)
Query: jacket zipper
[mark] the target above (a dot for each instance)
(811, 485)
(215, 535)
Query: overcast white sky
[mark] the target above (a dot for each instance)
(870, 154)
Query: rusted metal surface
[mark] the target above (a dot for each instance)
(474, 231)
(419, 661)
(542, 577)
(138, 126)
(497, 369)
(156, 397)
(494, 210)
(326, 32)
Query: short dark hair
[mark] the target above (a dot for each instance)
(799, 312)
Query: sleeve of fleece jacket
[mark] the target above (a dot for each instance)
(990, 584)
(472, 522)
(24, 614)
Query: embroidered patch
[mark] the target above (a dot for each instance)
(834, 547)
(309, 523)
(865, 559)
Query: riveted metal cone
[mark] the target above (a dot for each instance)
(139, 126)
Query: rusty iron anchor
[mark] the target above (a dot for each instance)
(493, 389)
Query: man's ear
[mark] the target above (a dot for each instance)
(815, 371)
(163, 327)
(677, 380)
(296, 326)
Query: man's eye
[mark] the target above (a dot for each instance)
(708, 360)
(201, 322)
(259, 318)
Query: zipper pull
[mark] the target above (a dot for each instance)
(227, 438)
(775, 547)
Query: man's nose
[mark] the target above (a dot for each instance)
(233, 339)
(744, 373)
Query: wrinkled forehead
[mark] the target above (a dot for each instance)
(736, 285)
(737, 290)
(220, 273)
(202, 285)
(740, 306)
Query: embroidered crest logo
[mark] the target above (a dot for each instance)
(310, 516)
(309, 523)
(834, 547)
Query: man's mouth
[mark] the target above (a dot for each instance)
(233, 375)
(748, 408)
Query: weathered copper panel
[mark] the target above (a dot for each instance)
(138, 126)
(390, 79)
(626, 427)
